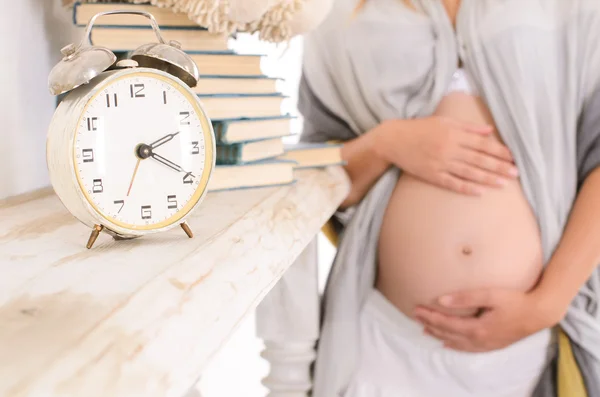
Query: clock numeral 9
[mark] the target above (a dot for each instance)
(138, 93)
(196, 148)
(97, 188)
(91, 123)
(172, 202)
(88, 155)
(188, 178)
(115, 104)
(146, 212)
(184, 118)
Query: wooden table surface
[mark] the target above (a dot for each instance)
(142, 317)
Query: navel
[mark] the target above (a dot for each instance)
(467, 250)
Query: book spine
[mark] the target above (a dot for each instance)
(220, 129)
(229, 154)
(74, 13)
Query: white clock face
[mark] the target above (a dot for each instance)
(142, 153)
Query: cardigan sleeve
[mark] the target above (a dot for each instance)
(588, 137)
(320, 123)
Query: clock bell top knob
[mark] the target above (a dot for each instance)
(68, 50)
(79, 66)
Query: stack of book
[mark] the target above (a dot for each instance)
(243, 104)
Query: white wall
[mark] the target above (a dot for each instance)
(32, 32)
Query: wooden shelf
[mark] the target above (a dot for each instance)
(142, 317)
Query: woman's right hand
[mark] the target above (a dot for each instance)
(459, 156)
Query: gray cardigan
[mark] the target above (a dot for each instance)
(537, 64)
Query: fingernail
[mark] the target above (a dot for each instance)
(514, 171)
(501, 182)
(445, 300)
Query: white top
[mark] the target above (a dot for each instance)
(461, 81)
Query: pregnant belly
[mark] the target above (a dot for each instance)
(434, 241)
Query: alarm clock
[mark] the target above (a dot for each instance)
(130, 149)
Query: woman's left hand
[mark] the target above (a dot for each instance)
(505, 317)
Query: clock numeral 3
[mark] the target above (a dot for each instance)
(195, 148)
(146, 212)
(172, 202)
(108, 102)
(91, 123)
(121, 203)
(188, 178)
(184, 118)
(88, 155)
(138, 93)
(97, 188)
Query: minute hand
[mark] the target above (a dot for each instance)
(168, 163)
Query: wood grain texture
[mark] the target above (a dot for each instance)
(142, 317)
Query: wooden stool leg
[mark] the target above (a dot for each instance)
(288, 322)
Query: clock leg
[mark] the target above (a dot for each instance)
(187, 230)
(95, 233)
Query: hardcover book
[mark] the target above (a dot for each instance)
(240, 153)
(253, 175)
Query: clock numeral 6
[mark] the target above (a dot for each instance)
(136, 90)
(172, 202)
(97, 188)
(146, 212)
(88, 155)
(188, 178)
(185, 116)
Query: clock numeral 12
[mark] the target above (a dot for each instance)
(88, 155)
(138, 93)
(108, 100)
(119, 202)
(91, 123)
(146, 212)
(195, 148)
(172, 202)
(185, 118)
(97, 188)
(188, 178)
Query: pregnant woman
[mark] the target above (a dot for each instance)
(468, 260)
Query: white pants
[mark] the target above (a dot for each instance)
(398, 360)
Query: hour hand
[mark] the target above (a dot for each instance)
(163, 140)
(166, 162)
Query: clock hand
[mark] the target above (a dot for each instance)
(133, 177)
(163, 140)
(168, 163)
